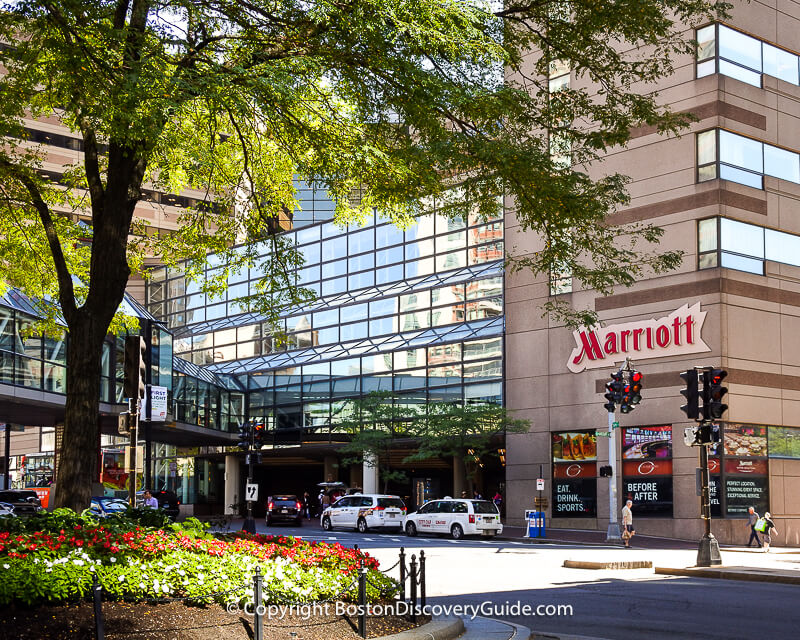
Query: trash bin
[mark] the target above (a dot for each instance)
(535, 524)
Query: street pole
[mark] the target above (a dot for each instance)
(708, 552)
(249, 525)
(7, 454)
(613, 534)
(134, 441)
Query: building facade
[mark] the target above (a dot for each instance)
(726, 194)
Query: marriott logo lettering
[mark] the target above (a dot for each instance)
(676, 334)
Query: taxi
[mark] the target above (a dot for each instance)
(456, 517)
(364, 512)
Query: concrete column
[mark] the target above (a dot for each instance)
(458, 476)
(331, 469)
(232, 477)
(370, 470)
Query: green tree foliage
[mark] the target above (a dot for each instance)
(403, 100)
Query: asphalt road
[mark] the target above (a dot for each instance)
(617, 605)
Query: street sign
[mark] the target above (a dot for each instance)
(615, 425)
(540, 484)
(251, 492)
(603, 434)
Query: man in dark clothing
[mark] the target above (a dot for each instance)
(752, 518)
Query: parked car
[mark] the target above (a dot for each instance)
(364, 512)
(24, 501)
(456, 517)
(167, 501)
(6, 509)
(104, 506)
(284, 508)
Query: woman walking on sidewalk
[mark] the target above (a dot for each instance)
(627, 523)
(768, 529)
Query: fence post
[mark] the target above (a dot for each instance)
(402, 574)
(97, 594)
(258, 622)
(362, 599)
(422, 578)
(412, 574)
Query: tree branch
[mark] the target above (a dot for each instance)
(66, 292)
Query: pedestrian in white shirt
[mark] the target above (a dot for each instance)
(627, 523)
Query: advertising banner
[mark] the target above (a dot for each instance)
(575, 498)
(647, 468)
(742, 492)
(742, 441)
(734, 466)
(639, 443)
(651, 496)
(569, 446)
(575, 470)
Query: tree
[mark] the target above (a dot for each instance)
(375, 423)
(468, 432)
(403, 100)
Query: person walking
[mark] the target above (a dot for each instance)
(627, 523)
(768, 530)
(752, 518)
(307, 504)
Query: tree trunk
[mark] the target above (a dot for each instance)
(77, 460)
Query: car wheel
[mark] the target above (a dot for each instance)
(361, 525)
(457, 532)
(411, 529)
(326, 524)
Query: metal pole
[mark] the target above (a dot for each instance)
(422, 578)
(134, 440)
(249, 523)
(402, 574)
(708, 551)
(7, 453)
(97, 593)
(613, 534)
(413, 575)
(362, 599)
(258, 623)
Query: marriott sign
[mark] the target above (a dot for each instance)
(678, 333)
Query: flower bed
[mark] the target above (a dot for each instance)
(56, 561)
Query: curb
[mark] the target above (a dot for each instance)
(729, 574)
(556, 541)
(440, 629)
(625, 564)
(552, 635)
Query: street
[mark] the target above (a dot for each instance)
(612, 604)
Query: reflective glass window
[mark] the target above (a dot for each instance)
(409, 358)
(334, 248)
(332, 287)
(740, 73)
(359, 263)
(741, 263)
(349, 367)
(418, 300)
(389, 274)
(781, 163)
(706, 42)
(483, 348)
(383, 307)
(782, 247)
(355, 331)
(330, 335)
(740, 48)
(389, 256)
(747, 178)
(740, 151)
(361, 280)
(354, 312)
(335, 268)
(780, 64)
(419, 268)
(739, 237)
(362, 241)
(707, 234)
(388, 235)
(383, 326)
(707, 147)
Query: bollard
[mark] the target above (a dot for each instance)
(422, 578)
(412, 574)
(362, 599)
(97, 592)
(258, 622)
(402, 574)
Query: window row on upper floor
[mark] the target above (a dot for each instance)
(721, 49)
(723, 242)
(730, 156)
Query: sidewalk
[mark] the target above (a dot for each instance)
(593, 538)
(479, 629)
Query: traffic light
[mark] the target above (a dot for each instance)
(259, 435)
(134, 368)
(245, 436)
(631, 392)
(692, 406)
(613, 392)
(713, 392)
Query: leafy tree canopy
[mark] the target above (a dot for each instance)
(403, 100)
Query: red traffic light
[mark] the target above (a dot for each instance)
(636, 377)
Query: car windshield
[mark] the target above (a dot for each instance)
(391, 502)
(282, 500)
(115, 505)
(484, 506)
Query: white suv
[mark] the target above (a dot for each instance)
(456, 517)
(364, 512)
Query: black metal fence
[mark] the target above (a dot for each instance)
(412, 574)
